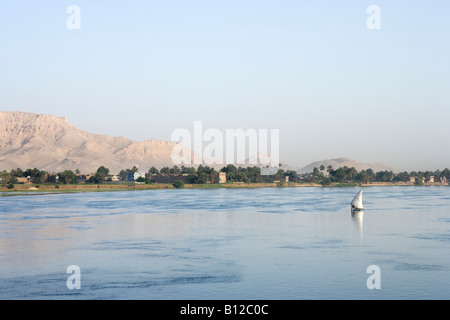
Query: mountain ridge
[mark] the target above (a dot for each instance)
(341, 162)
(50, 143)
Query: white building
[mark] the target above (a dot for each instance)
(133, 176)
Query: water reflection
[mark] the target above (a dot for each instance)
(357, 217)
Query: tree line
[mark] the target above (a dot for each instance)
(8, 178)
(348, 175)
(200, 175)
(205, 174)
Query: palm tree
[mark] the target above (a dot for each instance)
(352, 173)
(315, 172)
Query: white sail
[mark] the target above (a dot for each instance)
(357, 201)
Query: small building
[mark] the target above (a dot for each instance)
(412, 179)
(431, 179)
(53, 178)
(81, 178)
(133, 176)
(84, 178)
(222, 177)
(161, 178)
(24, 180)
(443, 179)
(286, 178)
(113, 178)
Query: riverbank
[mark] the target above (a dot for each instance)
(152, 186)
(62, 188)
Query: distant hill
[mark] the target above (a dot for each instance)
(50, 143)
(341, 162)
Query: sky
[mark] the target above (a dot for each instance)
(312, 69)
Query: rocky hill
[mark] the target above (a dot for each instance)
(341, 162)
(50, 143)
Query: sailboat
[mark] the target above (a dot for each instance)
(356, 203)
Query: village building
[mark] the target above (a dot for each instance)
(113, 178)
(133, 176)
(222, 177)
(52, 178)
(84, 178)
(24, 180)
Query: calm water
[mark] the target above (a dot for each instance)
(275, 243)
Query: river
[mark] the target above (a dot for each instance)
(268, 243)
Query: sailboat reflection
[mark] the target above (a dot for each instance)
(357, 217)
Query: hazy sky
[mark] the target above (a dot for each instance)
(311, 69)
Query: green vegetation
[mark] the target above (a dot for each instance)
(344, 176)
(208, 177)
(153, 170)
(204, 174)
(142, 180)
(345, 185)
(325, 181)
(178, 184)
(247, 175)
(36, 175)
(68, 177)
(123, 173)
(100, 176)
(281, 184)
(5, 177)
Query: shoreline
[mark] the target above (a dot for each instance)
(54, 189)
